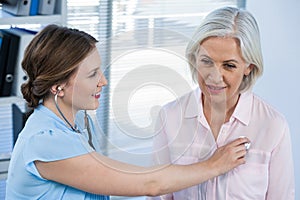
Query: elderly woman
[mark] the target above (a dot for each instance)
(225, 59)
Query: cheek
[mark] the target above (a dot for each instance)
(234, 80)
(81, 97)
(82, 90)
(202, 74)
(201, 82)
(200, 78)
(77, 90)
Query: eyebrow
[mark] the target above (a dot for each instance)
(225, 61)
(231, 60)
(206, 56)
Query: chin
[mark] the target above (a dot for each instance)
(93, 106)
(217, 98)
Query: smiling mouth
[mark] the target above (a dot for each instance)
(215, 89)
(97, 95)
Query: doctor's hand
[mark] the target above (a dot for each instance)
(229, 156)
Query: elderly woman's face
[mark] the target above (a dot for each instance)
(221, 69)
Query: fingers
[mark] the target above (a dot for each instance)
(247, 144)
(231, 155)
(241, 141)
(241, 146)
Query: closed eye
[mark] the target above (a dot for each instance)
(93, 74)
(206, 62)
(229, 66)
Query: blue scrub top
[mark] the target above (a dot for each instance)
(46, 137)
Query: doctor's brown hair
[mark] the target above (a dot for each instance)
(51, 58)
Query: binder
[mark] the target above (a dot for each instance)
(20, 77)
(21, 7)
(11, 2)
(46, 7)
(34, 6)
(19, 118)
(8, 75)
(4, 47)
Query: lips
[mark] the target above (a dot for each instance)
(97, 95)
(215, 89)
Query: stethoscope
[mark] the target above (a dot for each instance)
(74, 128)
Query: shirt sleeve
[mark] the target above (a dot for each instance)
(281, 181)
(53, 145)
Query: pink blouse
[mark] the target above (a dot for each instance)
(184, 137)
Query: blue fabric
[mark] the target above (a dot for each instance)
(45, 137)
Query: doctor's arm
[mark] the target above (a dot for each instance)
(98, 174)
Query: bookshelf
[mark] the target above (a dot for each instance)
(59, 16)
(8, 20)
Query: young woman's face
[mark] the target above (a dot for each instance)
(85, 86)
(221, 69)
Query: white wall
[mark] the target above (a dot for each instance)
(279, 22)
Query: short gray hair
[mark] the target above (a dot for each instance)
(235, 23)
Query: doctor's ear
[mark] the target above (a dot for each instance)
(57, 89)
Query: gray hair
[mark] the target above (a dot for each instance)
(235, 23)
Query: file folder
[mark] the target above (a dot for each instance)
(46, 7)
(34, 6)
(19, 118)
(9, 71)
(24, 38)
(11, 2)
(22, 7)
(4, 46)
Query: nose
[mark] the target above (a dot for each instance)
(102, 81)
(215, 75)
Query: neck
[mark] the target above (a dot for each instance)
(67, 113)
(218, 113)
